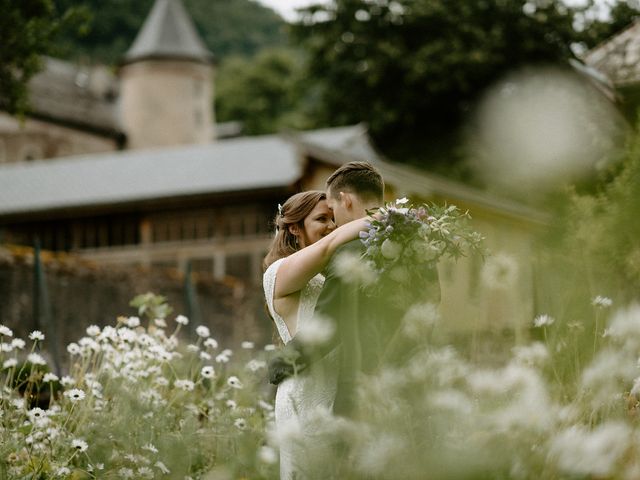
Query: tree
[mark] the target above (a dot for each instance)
(227, 27)
(622, 14)
(412, 69)
(265, 92)
(28, 29)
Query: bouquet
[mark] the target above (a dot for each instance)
(404, 242)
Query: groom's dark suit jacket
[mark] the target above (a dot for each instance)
(366, 322)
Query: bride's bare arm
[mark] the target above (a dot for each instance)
(297, 269)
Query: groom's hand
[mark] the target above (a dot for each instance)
(285, 364)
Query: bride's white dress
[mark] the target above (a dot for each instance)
(299, 397)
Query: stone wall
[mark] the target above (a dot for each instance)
(82, 293)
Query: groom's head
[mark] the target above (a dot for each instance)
(352, 189)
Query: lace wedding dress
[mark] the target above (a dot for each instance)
(299, 397)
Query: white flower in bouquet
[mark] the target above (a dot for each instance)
(390, 249)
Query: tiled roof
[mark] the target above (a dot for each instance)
(168, 32)
(238, 164)
(619, 57)
(76, 95)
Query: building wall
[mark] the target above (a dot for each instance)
(37, 139)
(82, 293)
(166, 103)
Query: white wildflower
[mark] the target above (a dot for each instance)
(316, 331)
(182, 320)
(160, 322)
(161, 381)
(240, 423)
(231, 404)
(543, 321)
(125, 473)
(247, 345)
(221, 358)
(145, 472)
(6, 347)
(93, 330)
(162, 467)
(593, 454)
(5, 331)
(625, 326)
(211, 343)
(132, 322)
(36, 335)
(265, 405)
(35, 413)
(234, 382)
(500, 271)
(419, 320)
(255, 365)
(203, 331)
(268, 455)
(193, 348)
(269, 347)
(36, 359)
(73, 348)
(186, 385)
(602, 302)
(402, 201)
(18, 343)
(79, 444)
(150, 447)
(353, 269)
(62, 471)
(207, 371)
(67, 381)
(375, 455)
(12, 362)
(205, 356)
(534, 354)
(75, 395)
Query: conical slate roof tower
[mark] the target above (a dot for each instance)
(167, 82)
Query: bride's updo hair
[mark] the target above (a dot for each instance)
(293, 212)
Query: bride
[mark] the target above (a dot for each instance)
(306, 238)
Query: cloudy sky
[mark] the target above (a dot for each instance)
(286, 8)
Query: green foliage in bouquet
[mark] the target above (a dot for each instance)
(405, 242)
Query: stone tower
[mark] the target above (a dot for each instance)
(167, 82)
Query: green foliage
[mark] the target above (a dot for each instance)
(29, 28)
(227, 27)
(604, 228)
(265, 92)
(412, 69)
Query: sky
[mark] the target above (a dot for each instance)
(286, 8)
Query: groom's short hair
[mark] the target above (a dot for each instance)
(360, 178)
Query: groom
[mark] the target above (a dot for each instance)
(359, 317)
